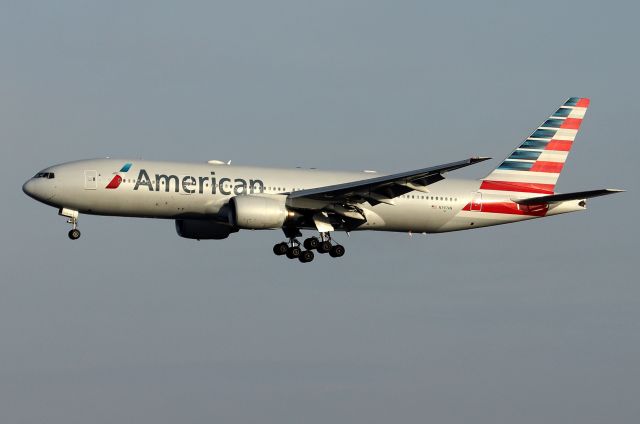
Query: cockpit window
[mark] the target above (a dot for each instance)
(48, 175)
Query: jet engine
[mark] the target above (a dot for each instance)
(203, 230)
(257, 213)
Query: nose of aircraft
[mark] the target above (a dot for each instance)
(28, 188)
(39, 189)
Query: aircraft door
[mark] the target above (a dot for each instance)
(90, 180)
(476, 202)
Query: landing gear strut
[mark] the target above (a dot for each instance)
(74, 233)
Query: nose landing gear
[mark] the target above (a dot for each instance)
(74, 233)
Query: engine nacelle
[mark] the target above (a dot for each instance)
(257, 213)
(203, 230)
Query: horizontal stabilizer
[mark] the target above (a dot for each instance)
(567, 196)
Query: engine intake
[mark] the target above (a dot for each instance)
(257, 212)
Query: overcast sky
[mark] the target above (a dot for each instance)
(528, 323)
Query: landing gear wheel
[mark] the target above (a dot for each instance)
(306, 256)
(74, 234)
(280, 248)
(324, 247)
(336, 251)
(311, 243)
(293, 252)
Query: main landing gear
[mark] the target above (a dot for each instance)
(322, 245)
(292, 250)
(74, 233)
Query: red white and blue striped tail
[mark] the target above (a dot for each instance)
(534, 167)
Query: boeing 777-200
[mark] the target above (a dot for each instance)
(214, 199)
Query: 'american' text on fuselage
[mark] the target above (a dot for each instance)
(188, 183)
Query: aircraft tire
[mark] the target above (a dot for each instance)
(74, 234)
(306, 256)
(293, 252)
(311, 243)
(280, 248)
(337, 251)
(324, 247)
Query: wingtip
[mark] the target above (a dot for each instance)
(476, 159)
(615, 190)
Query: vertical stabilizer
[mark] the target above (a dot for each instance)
(534, 167)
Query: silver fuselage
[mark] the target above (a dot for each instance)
(179, 190)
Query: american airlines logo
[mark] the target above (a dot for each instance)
(117, 179)
(189, 184)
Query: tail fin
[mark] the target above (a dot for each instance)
(534, 167)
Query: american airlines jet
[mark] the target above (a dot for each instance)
(215, 199)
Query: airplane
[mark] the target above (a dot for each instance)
(214, 199)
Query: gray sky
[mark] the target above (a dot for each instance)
(528, 323)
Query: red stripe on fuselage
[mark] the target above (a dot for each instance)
(561, 145)
(517, 187)
(542, 166)
(509, 208)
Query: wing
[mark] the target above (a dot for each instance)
(382, 189)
